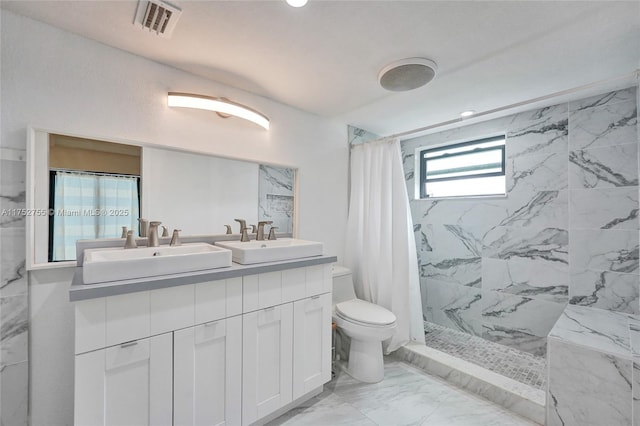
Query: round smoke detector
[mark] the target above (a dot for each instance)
(407, 74)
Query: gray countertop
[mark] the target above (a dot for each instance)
(80, 291)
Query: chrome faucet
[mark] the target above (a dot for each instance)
(175, 238)
(261, 224)
(153, 234)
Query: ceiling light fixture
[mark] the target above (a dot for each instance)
(466, 114)
(407, 74)
(222, 106)
(296, 3)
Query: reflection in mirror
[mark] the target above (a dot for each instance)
(94, 192)
(276, 196)
(197, 193)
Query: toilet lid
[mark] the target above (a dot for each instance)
(365, 312)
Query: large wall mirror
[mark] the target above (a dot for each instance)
(86, 188)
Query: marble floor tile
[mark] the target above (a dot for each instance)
(469, 410)
(324, 409)
(406, 396)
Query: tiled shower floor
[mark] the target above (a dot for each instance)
(509, 362)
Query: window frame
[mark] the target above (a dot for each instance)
(422, 161)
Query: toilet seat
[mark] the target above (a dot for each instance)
(365, 313)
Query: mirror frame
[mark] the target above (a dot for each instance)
(37, 191)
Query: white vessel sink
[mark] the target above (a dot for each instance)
(250, 252)
(114, 264)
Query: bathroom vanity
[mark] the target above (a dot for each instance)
(235, 345)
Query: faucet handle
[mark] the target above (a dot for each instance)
(165, 231)
(228, 227)
(131, 241)
(254, 229)
(272, 233)
(175, 238)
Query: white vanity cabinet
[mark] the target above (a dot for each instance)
(126, 384)
(267, 361)
(233, 351)
(207, 373)
(311, 338)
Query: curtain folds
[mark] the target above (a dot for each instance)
(381, 250)
(89, 206)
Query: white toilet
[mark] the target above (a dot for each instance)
(367, 324)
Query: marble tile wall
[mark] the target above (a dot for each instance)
(275, 196)
(14, 294)
(504, 268)
(592, 368)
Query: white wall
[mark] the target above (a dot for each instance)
(56, 80)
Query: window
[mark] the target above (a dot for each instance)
(464, 169)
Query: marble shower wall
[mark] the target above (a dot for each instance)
(14, 293)
(275, 193)
(567, 232)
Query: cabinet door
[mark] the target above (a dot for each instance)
(311, 343)
(267, 361)
(207, 373)
(126, 384)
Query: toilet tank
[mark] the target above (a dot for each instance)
(342, 284)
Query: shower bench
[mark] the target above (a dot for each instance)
(593, 357)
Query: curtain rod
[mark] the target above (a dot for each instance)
(84, 172)
(634, 74)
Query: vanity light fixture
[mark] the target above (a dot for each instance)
(221, 106)
(296, 3)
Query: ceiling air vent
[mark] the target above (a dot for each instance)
(157, 16)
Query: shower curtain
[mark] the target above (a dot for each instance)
(381, 250)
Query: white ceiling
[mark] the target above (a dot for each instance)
(324, 58)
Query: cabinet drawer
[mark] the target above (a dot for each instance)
(127, 317)
(215, 300)
(318, 280)
(261, 291)
(171, 308)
